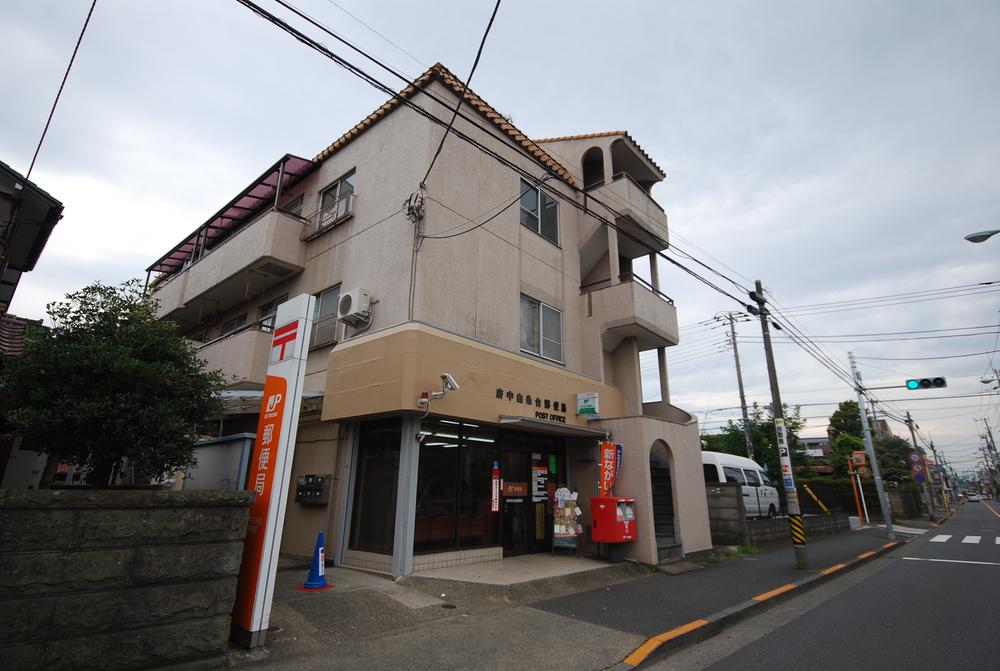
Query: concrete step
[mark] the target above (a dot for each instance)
(668, 552)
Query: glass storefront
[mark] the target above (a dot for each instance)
(373, 522)
(454, 488)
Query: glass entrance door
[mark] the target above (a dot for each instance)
(530, 468)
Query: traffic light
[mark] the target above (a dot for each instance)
(926, 383)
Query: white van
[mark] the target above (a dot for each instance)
(760, 498)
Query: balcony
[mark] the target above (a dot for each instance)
(632, 308)
(259, 255)
(242, 355)
(634, 208)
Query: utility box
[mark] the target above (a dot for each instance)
(313, 489)
(612, 519)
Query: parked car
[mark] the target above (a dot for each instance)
(973, 496)
(760, 498)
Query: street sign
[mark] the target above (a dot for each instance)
(917, 467)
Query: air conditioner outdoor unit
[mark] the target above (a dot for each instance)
(354, 308)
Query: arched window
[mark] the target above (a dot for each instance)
(593, 167)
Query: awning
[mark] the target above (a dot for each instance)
(242, 402)
(547, 426)
(253, 200)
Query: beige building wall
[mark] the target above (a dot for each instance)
(467, 287)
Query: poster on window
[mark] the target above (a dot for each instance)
(566, 527)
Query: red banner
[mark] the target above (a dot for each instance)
(607, 468)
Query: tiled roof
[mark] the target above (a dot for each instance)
(610, 133)
(445, 76)
(12, 330)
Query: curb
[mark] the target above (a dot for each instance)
(701, 629)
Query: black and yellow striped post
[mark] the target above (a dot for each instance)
(798, 529)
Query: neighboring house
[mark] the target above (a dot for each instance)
(526, 311)
(27, 217)
(818, 451)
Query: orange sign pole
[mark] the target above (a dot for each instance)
(270, 470)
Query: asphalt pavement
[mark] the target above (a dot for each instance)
(931, 604)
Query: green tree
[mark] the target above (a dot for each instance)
(840, 452)
(893, 455)
(109, 386)
(765, 440)
(846, 419)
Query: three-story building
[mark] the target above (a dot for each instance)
(509, 268)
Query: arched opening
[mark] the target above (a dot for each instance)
(593, 167)
(668, 544)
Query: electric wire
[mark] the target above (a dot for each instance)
(926, 358)
(461, 96)
(62, 85)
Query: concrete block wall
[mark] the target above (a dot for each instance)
(117, 579)
(776, 530)
(726, 514)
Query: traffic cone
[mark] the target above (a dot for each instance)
(317, 572)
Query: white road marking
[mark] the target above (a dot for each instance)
(972, 539)
(904, 530)
(954, 561)
(941, 538)
(998, 540)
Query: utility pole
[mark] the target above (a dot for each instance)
(795, 523)
(739, 381)
(927, 476)
(944, 479)
(883, 502)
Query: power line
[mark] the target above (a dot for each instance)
(461, 96)
(889, 296)
(928, 358)
(825, 339)
(411, 56)
(370, 79)
(52, 111)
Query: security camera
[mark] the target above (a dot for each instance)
(449, 382)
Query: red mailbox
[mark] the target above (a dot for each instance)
(612, 519)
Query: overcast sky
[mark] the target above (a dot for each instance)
(834, 150)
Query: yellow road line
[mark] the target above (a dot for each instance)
(640, 654)
(774, 592)
(832, 569)
(891, 544)
(866, 555)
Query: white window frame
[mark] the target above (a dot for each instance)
(324, 222)
(537, 216)
(542, 307)
(331, 317)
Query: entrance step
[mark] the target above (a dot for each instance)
(679, 566)
(666, 552)
(664, 528)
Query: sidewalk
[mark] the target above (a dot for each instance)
(591, 619)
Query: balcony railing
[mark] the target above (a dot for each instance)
(241, 355)
(632, 308)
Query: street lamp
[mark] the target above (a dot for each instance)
(982, 236)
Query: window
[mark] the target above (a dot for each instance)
(538, 212)
(711, 473)
(541, 329)
(234, 324)
(336, 202)
(733, 475)
(267, 311)
(294, 207)
(325, 317)
(752, 478)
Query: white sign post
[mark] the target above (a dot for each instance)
(270, 469)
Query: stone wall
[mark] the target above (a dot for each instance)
(117, 579)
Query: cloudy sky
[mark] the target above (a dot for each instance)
(838, 151)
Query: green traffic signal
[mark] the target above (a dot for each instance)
(926, 383)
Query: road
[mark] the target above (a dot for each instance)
(930, 605)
